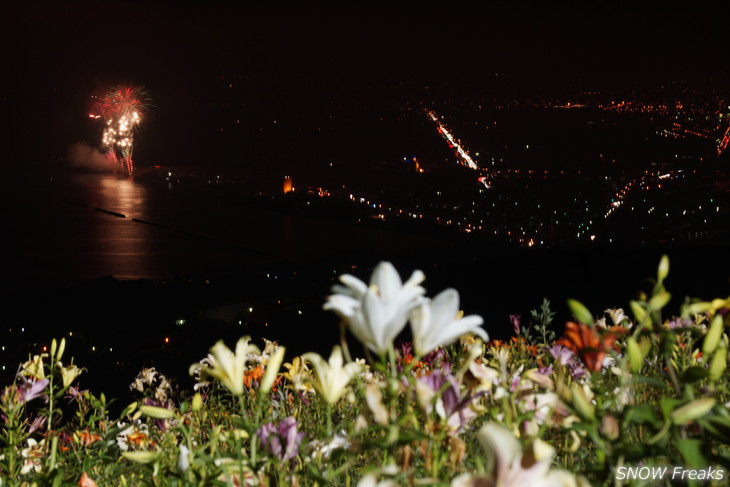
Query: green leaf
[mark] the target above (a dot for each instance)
(580, 312)
(691, 450)
(718, 426)
(644, 414)
(668, 404)
(652, 381)
(694, 374)
(668, 341)
(640, 313)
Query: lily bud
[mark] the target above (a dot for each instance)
(197, 402)
(580, 312)
(663, 270)
(609, 427)
(636, 358)
(699, 308)
(693, 410)
(719, 363)
(582, 404)
(638, 310)
(140, 456)
(128, 410)
(712, 338)
(61, 349)
(659, 300)
(157, 412)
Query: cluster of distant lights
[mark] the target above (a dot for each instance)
(521, 236)
(678, 130)
(515, 235)
(644, 184)
(638, 107)
(723, 143)
(91, 348)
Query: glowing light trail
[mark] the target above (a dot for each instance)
(465, 157)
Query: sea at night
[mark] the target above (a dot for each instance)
(164, 268)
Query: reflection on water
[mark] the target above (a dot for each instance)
(122, 195)
(67, 232)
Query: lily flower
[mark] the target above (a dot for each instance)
(272, 369)
(618, 317)
(322, 449)
(34, 368)
(516, 321)
(590, 345)
(377, 313)
(438, 322)
(228, 367)
(282, 441)
(33, 456)
(86, 481)
(512, 466)
(69, 373)
(298, 373)
(440, 391)
(331, 378)
(38, 423)
(30, 390)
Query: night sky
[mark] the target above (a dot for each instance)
(169, 40)
(303, 62)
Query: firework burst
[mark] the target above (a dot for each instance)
(121, 109)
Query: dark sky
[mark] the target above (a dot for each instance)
(302, 59)
(179, 40)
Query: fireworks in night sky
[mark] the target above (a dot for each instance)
(122, 110)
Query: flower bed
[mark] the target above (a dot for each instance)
(617, 400)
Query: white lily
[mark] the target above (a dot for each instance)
(377, 313)
(512, 467)
(228, 367)
(331, 378)
(438, 322)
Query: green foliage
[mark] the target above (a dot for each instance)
(613, 392)
(541, 325)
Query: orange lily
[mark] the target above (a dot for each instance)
(586, 342)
